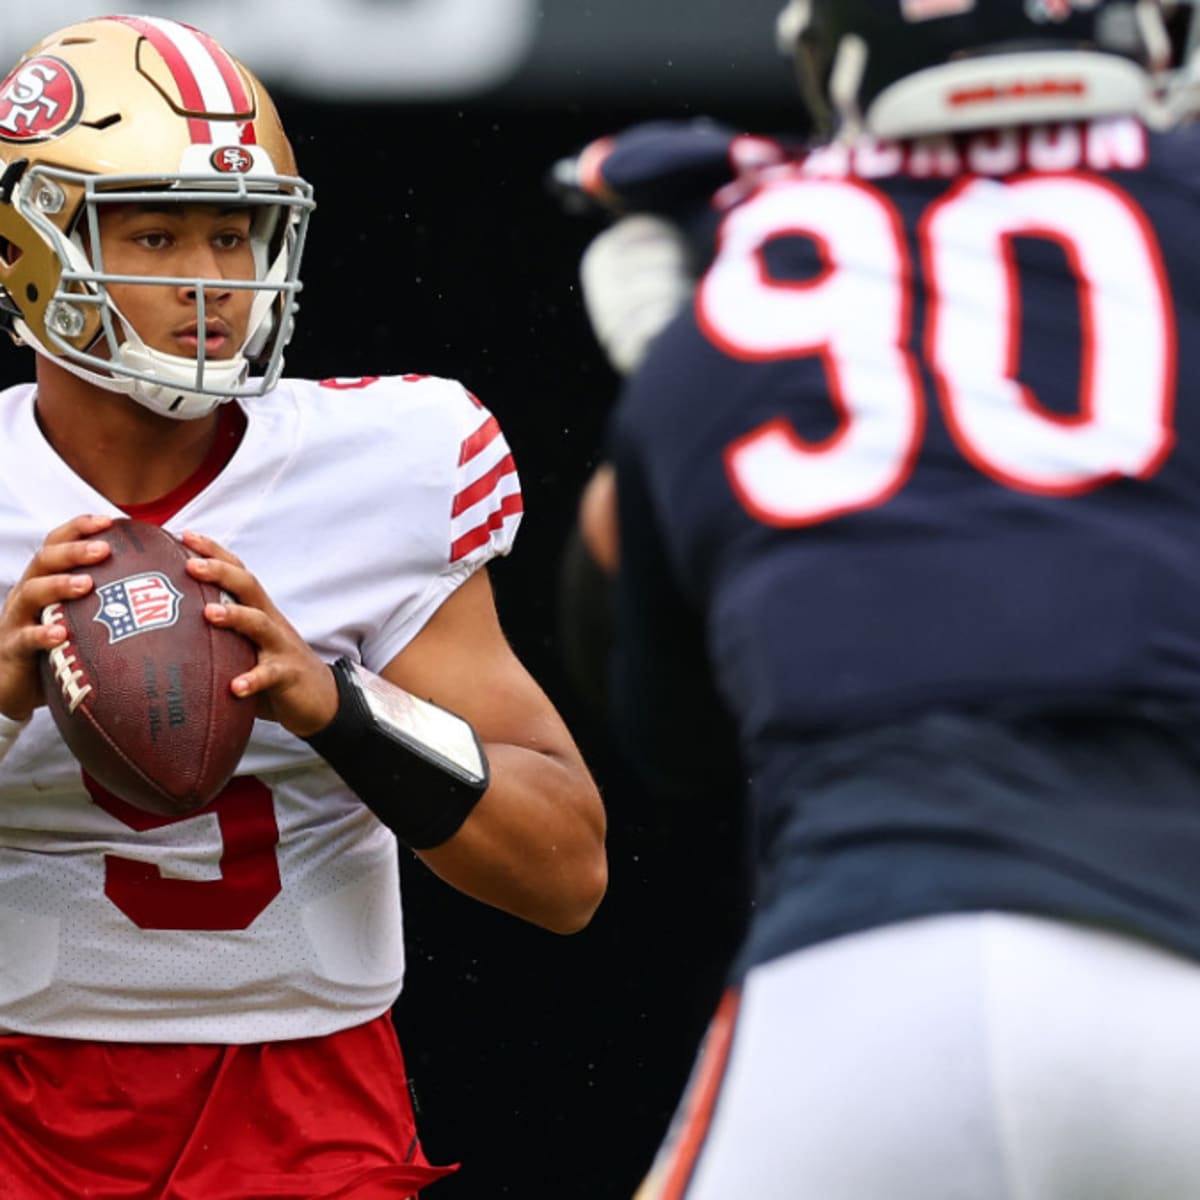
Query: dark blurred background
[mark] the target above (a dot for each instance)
(547, 1066)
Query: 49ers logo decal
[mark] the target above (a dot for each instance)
(231, 160)
(39, 100)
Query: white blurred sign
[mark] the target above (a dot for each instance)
(388, 49)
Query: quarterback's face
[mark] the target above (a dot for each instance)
(192, 241)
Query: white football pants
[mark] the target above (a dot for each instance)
(963, 1057)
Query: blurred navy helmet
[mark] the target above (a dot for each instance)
(902, 68)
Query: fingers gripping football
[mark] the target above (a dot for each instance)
(290, 682)
(57, 572)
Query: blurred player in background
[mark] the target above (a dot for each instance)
(200, 1007)
(908, 494)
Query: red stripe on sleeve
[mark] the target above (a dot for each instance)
(509, 506)
(483, 436)
(474, 492)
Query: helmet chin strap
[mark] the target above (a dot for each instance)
(172, 397)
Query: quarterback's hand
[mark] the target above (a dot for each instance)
(635, 275)
(58, 571)
(290, 683)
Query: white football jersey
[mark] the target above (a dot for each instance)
(275, 912)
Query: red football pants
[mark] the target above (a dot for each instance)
(326, 1118)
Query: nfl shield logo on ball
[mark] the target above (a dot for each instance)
(137, 604)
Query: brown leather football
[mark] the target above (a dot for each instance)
(140, 688)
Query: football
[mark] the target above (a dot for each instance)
(139, 689)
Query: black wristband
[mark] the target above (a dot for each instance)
(417, 767)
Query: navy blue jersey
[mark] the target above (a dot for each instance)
(917, 478)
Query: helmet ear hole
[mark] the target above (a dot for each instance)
(11, 177)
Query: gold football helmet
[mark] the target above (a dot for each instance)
(127, 109)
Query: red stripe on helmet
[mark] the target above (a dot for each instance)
(233, 81)
(189, 89)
